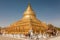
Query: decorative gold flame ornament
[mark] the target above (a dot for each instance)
(28, 22)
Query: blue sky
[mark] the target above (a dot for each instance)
(46, 10)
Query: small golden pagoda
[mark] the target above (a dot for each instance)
(28, 22)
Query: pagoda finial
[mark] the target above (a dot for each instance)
(29, 7)
(29, 4)
(29, 11)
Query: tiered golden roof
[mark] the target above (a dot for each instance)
(28, 22)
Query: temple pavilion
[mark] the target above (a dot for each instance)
(26, 23)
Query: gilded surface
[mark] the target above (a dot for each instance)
(28, 22)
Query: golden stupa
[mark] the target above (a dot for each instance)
(28, 22)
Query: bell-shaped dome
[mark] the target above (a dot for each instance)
(29, 12)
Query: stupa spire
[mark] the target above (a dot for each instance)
(29, 11)
(29, 8)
